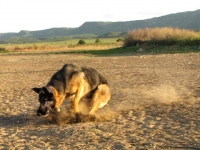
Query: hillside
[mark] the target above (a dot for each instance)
(183, 20)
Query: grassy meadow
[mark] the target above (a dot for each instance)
(141, 41)
(72, 44)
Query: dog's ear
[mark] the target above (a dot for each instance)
(52, 90)
(49, 89)
(37, 90)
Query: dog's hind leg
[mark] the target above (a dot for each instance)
(100, 98)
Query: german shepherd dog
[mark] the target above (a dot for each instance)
(74, 83)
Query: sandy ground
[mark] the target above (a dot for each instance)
(155, 103)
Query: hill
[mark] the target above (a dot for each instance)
(183, 20)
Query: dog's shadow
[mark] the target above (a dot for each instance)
(62, 117)
(20, 120)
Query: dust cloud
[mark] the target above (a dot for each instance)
(67, 116)
(164, 94)
(168, 94)
(135, 99)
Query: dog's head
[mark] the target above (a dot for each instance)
(46, 99)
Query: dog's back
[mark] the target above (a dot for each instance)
(94, 77)
(61, 78)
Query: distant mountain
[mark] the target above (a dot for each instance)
(183, 20)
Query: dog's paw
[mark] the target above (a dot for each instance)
(92, 117)
(58, 109)
(46, 115)
(78, 117)
(78, 114)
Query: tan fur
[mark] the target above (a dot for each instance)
(80, 87)
(74, 83)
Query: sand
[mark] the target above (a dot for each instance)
(155, 103)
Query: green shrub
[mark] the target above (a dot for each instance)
(2, 49)
(120, 40)
(81, 42)
(97, 41)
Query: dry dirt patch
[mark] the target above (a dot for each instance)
(155, 101)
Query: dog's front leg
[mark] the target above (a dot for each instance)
(77, 98)
(76, 85)
(58, 102)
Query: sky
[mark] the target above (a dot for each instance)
(31, 15)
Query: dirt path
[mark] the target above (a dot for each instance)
(156, 99)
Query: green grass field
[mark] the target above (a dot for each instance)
(61, 45)
(67, 42)
(147, 41)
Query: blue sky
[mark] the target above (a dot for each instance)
(33, 15)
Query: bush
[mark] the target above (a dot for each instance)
(81, 42)
(18, 48)
(120, 40)
(2, 49)
(161, 36)
(97, 41)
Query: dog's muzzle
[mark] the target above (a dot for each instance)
(45, 108)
